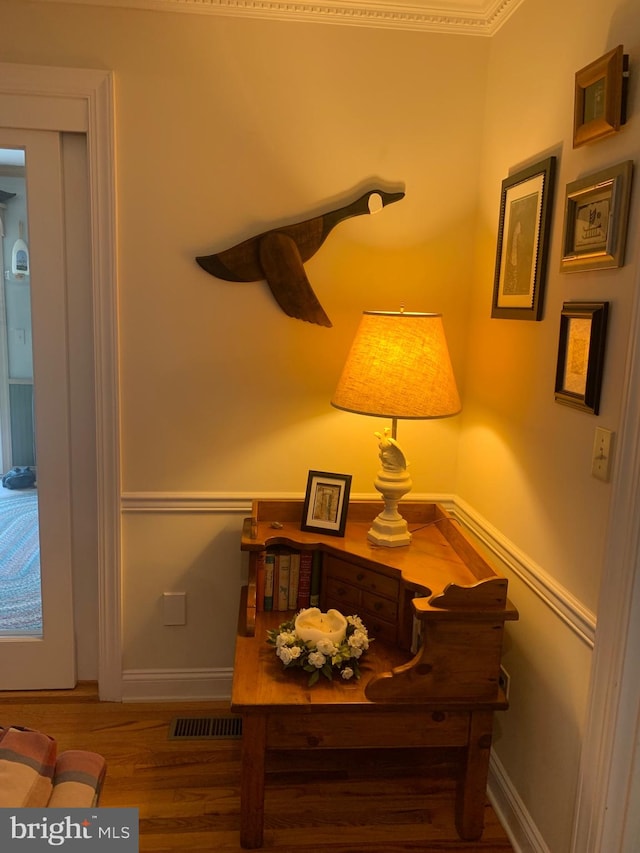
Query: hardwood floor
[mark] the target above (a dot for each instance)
(187, 791)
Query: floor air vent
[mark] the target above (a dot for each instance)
(205, 727)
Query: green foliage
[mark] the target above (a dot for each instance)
(323, 657)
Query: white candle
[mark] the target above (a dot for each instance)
(313, 625)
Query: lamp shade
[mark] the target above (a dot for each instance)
(398, 367)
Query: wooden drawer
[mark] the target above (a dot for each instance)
(339, 591)
(365, 579)
(380, 630)
(367, 727)
(382, 608)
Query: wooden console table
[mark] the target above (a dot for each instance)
(442, 696)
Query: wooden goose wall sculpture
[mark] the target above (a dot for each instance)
(279, 256)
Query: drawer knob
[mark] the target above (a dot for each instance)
(378, 605)
(360, 576)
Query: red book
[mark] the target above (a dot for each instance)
(316, 573)
(304, 580)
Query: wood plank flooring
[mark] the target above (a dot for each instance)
(187, 791)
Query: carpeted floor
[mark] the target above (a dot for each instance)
(20, 601)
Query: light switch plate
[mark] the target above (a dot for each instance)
(602, 450)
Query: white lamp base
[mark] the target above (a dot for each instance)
(389, 534)
(389, 528)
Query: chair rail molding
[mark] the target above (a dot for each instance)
(571, 611)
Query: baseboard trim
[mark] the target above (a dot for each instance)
(511, 812)
(180, 685)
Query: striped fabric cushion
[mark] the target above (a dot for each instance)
(78, 779)
(27, 765)
(32, 777)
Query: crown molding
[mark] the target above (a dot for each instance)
(464, 17)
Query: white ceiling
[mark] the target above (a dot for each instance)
(470, 17)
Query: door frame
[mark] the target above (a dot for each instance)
(82, 101)
(607, 812)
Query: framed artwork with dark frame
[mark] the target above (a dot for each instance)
(600, 103)
(581, 347)
(595, 220)
(326, 503)
(523, 238)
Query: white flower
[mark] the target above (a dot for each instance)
(286, 638)
(359, 640)
(317, 659)
(284, 653)
(324, 654)
(326, 647)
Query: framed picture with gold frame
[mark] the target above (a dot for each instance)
(581, 347)
(595, 220)
(600, 103)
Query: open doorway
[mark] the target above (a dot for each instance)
(21, 600)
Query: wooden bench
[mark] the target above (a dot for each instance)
(443, 695)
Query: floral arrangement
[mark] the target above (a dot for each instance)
(307, 642)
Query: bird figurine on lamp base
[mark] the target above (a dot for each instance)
(389, 528)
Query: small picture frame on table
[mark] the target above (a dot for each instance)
(600, 102)
(596, 214)
(523, 238)
(581, 347)
(326, 503)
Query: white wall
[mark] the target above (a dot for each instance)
(525, 461)
(226, 127)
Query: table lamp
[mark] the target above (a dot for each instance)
(398, 367)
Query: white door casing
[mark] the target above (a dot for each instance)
(81, 101)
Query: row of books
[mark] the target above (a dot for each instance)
(287, 579)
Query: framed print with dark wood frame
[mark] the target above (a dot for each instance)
(583, 331)
(600, 103)
(595, 220)
(326, 503)
(523, 237)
